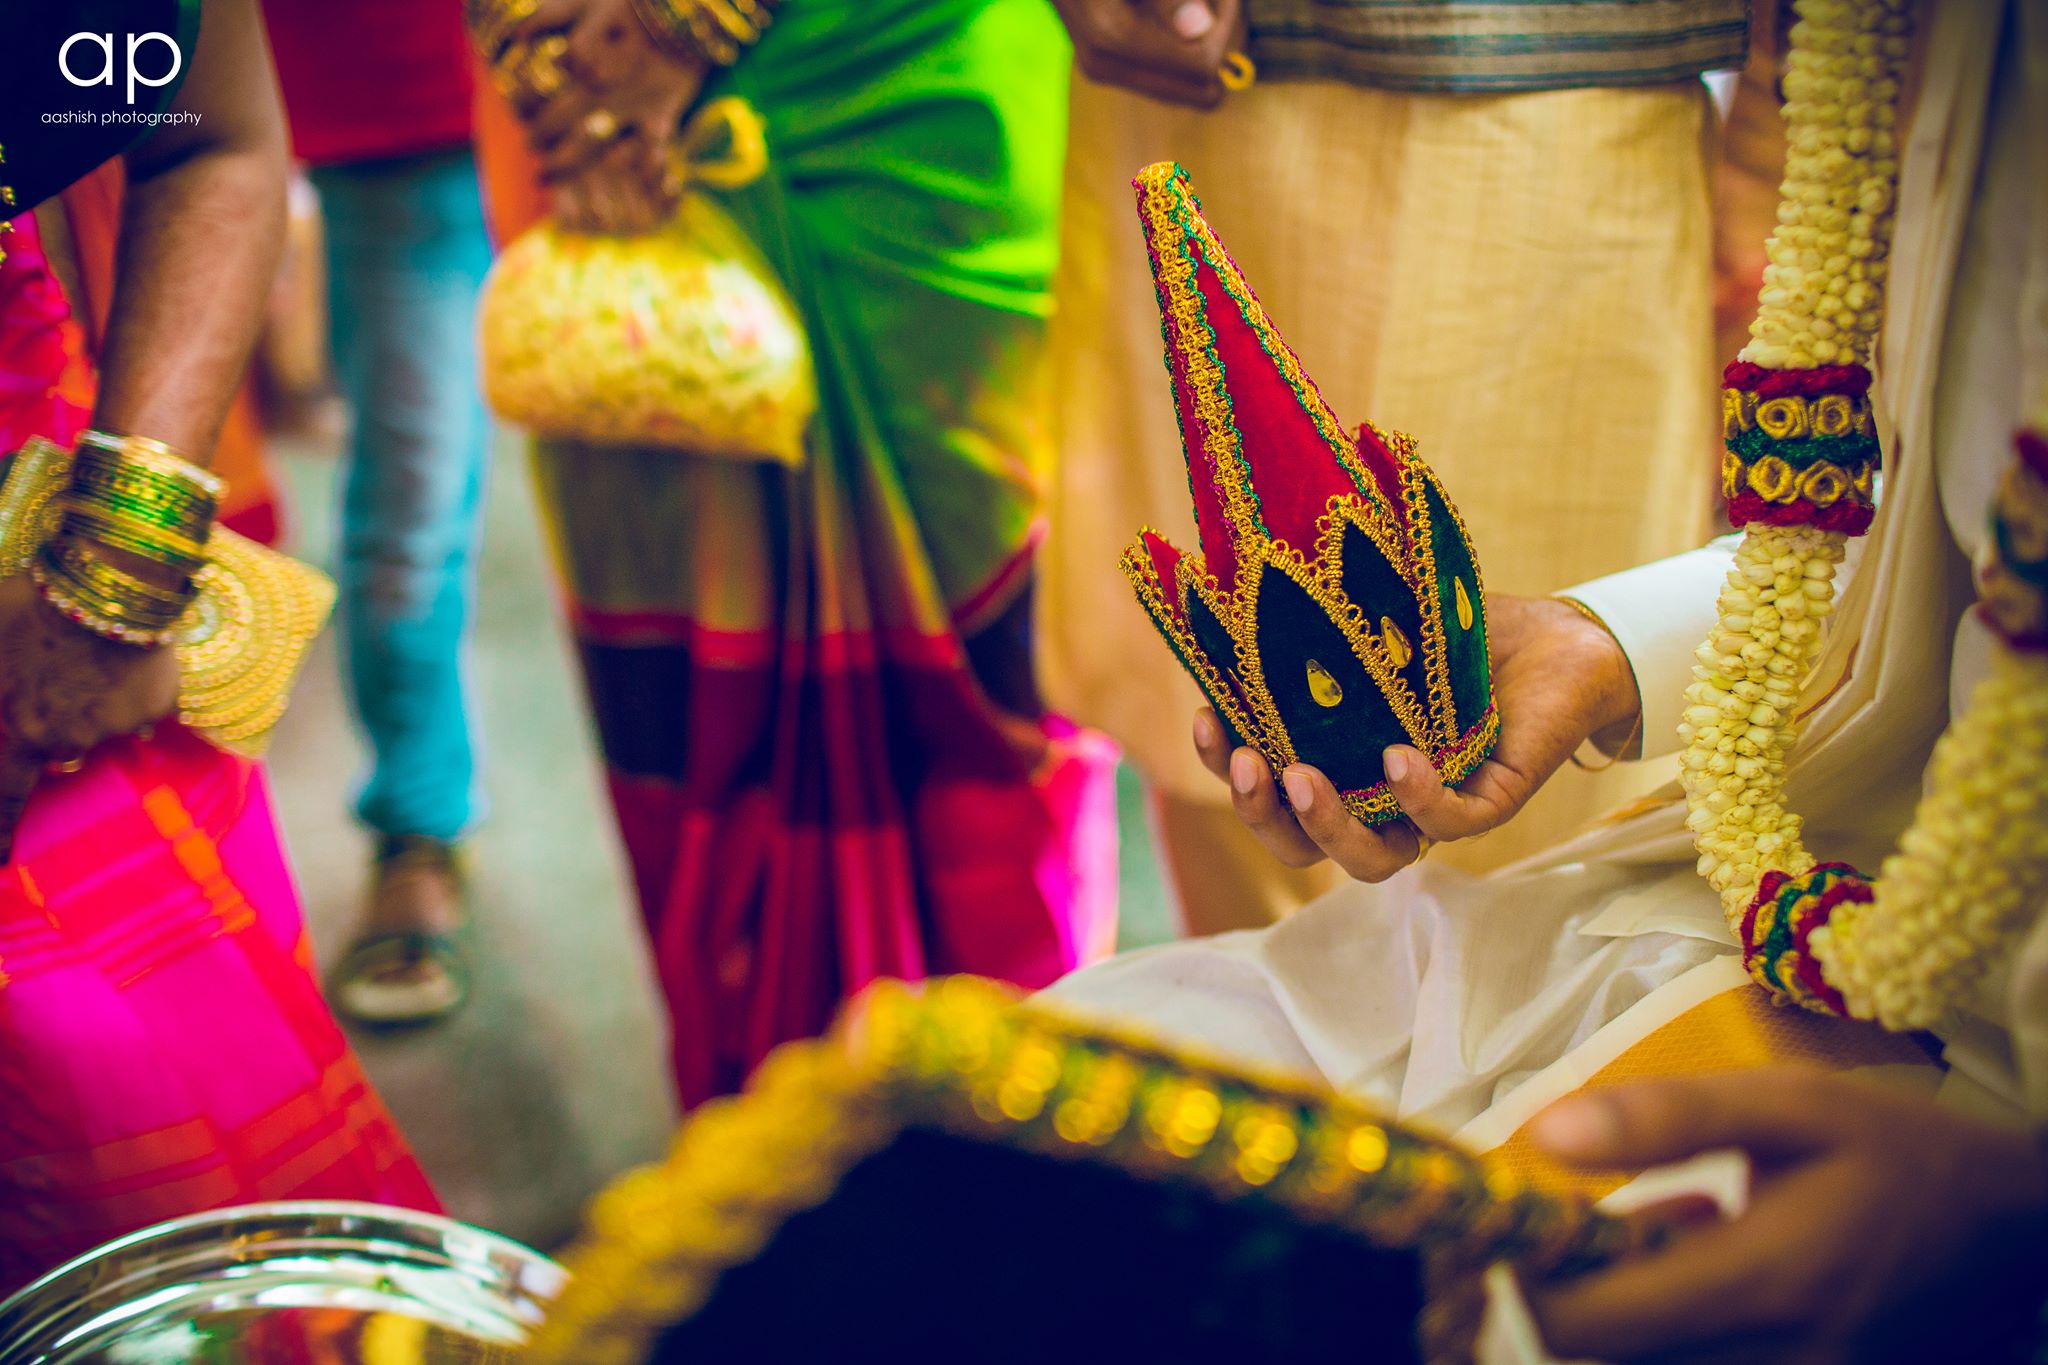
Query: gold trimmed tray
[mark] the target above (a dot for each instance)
(950, 1155)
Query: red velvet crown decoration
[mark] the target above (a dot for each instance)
(1336, 606)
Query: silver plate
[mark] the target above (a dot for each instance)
(338, 1283)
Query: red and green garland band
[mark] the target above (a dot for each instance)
(1802, 447)
(1779, 923)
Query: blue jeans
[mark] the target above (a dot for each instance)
(406, 253)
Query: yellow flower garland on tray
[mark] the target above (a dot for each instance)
(1799, 474)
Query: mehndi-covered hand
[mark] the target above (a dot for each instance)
(1558, 679)
(605, 125)
(63, 692)
(1881, 1227)
(1171, 50)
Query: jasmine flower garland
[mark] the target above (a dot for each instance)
(1799, 474)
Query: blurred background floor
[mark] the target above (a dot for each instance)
(554, 1077)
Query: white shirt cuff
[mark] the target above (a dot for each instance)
(1660, 612)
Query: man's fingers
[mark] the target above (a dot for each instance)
(571, 207)
(1143, 49)
(1366, 854)
(598, 55)
(547, 17)
(585, 146)
(1188, 20)
(1211, 744)
(1719, 1283)
(1200, 89)
(149, 697)
(1771, 1114)
(560, 117)
(1485, 799)
(20, 769)
(1256, 800)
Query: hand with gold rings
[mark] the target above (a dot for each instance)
(531, 73)
(492, 24)
(603, 137)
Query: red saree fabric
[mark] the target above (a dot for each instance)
(812, 686)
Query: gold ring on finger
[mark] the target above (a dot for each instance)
(543, 73)
(65, 766)
(490, 24)
(508, 73)
(601, 125)
(1423, 844)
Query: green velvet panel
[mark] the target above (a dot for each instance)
(1381, 593)
(1464, 647)
(939, 1249)
(1347, 740)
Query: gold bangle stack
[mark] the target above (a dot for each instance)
(717, 31)
(243, 638)
(106, 599)
(128, 496)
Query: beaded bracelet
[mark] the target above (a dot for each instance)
(106, 600)
(6, 200)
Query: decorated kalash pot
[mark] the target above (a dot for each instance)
(286, 1284)
(1335, 606)
(954, 1174)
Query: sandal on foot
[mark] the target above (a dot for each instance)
(400, 976)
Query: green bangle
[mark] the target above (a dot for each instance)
(162, 547)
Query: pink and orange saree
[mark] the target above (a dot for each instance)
(163, 1046)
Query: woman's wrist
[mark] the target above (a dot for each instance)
(130, 538)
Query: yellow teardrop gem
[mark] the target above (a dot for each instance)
(1324, 688)
(1464, 604)
(1395, 641)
